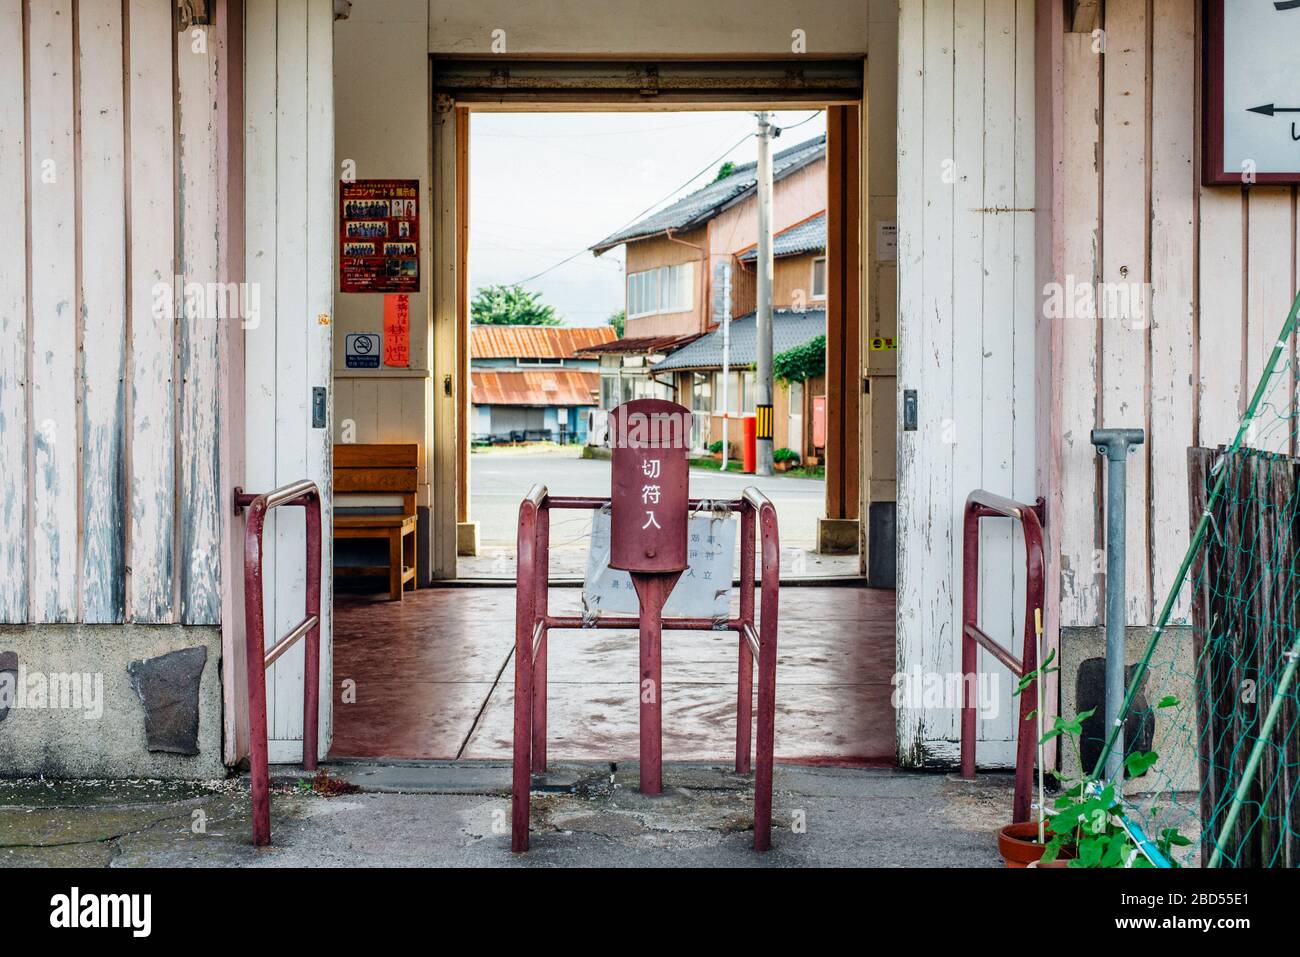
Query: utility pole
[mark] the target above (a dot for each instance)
(726, 358)
(763, 408)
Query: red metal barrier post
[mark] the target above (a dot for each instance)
(981, 505)
(661, 559)
(307, 495)
(648, 511)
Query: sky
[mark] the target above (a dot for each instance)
(544, 186)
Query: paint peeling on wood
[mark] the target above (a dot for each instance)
(153, 334)
(200, 555)
(13, 327)
(103, 312)
(53, 333)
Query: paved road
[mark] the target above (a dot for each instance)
(499, 480)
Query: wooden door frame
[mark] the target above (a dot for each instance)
(449, 176)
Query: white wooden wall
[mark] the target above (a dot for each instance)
(290, 239)
(109, 499)
(966, 332)
(1221, 262)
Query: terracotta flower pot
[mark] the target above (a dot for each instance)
(1019, 847)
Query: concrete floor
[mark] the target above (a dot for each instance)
(434, 679)
(457, 815)
(500, 478)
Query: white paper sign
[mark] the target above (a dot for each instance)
(886, 242)
(703, 591)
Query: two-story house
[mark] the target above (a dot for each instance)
(799, 317)
(533, 383)
(681, 259)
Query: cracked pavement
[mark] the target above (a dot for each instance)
(452, 814)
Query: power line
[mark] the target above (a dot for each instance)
(782, 129)
(654, 205)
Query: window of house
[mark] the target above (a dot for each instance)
(749, 391)
(609, 391)
(819, 278)
(539, 361)
(701, 392)
(665, 289)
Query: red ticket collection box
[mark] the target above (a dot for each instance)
(649, 512)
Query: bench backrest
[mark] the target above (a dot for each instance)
(379, 472)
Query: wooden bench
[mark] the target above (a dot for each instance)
(380, 480)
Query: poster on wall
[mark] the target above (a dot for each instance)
(1252, 92)
(397, 330)
(379, 235)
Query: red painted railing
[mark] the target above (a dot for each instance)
(533, 622)
(981, 505)
(307, 495)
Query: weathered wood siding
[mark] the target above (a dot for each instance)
(108, 193)
(1220, 264)
(290, 237)
(966, 320)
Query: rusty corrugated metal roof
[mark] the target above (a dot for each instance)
(535, 342)
(544, 387)
(641, 344)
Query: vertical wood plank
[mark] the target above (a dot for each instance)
(940, 170)
(200, 548)
(53, 332)
(291, 351)
(260, 376)
(321, 182)
(1222, 314)
(13, 321)
(1124, 266)
(974, 53)
(151, 594)
(103, 312)
(1077, 529)
(1268, 301)
(912, 523)
(1173, 252)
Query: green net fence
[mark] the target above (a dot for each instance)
(1215, 691)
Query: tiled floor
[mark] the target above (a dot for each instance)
(434, 679)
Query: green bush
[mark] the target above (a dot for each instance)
(802, 362)
(716, 447)
(785, 455)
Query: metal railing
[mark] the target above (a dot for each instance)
(533, 622)
(981, 505)
(307, 495)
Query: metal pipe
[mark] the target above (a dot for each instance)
(287, 642)
(763, 319)
(1116, 445)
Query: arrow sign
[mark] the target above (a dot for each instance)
(1268, 109)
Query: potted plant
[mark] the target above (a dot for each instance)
(785, 459)
(1088, 825)
(715, 449)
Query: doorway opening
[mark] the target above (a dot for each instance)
(640, 309)
(605, 269)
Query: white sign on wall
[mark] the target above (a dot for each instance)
(1252, 92)
(703, 591)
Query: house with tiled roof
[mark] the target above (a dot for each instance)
(533, 383)
(799, 317)
(683, 273)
